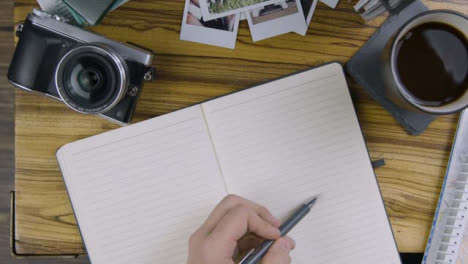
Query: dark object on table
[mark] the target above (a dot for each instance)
(411, 258)
(80, 13)
(91, 10)
(426, 63)
(60, 9)
(437, 67)
(378, 163)
(365, 67)
(89, 73)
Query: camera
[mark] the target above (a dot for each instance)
(88, 72)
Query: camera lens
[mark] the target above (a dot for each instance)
(91, 79)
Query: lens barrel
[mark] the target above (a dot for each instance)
(91, 78)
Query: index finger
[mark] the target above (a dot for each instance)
(237, 222)
(230, 202)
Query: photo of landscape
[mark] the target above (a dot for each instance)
(221, 6)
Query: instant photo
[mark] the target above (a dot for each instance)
(212, 9)
(220, 32)
(308, 7)
(330, 3)
(276, 19)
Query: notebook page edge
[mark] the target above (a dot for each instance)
(61, 156)
(369, 162)
(65, 152)
(67, 149)
(331, 63)
(105, 137)
(330, 66)
(338, 69)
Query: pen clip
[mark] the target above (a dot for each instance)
(247, 255)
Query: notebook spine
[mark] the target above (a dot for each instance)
(446, 243)
(454, 217)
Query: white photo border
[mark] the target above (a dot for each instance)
(208, 16)
(309, 17)
(205, 35)
(282, 25)
(330, 3)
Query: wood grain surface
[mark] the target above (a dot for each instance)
(189, 73)
(6, 125)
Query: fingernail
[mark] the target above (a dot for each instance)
(284, 243)
(275, 221)
(279, 231)
(292, 243)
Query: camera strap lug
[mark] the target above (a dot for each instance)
(19, 29)
(133, 91)
(150, 75)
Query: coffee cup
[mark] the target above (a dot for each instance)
(426, 63)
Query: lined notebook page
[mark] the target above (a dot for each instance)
(283, 142)
(140, 191)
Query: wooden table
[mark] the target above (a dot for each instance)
(188, 73)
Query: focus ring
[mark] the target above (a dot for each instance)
(109, 55)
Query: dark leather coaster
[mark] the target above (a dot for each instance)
(366, 69)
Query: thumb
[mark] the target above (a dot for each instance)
(279, 252)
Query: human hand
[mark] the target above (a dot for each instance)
(217, 240)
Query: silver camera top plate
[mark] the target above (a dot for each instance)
(134, 53)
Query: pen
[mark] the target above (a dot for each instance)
(255, 255)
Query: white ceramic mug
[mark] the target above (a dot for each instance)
(395, 88)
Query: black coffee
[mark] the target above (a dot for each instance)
(432, 63)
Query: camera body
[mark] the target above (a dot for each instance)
(88, 72)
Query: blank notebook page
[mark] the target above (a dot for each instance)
(140, 191)
(282, 142)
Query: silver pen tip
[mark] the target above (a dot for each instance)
(312, 202)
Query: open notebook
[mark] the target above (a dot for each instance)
(139, 192)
